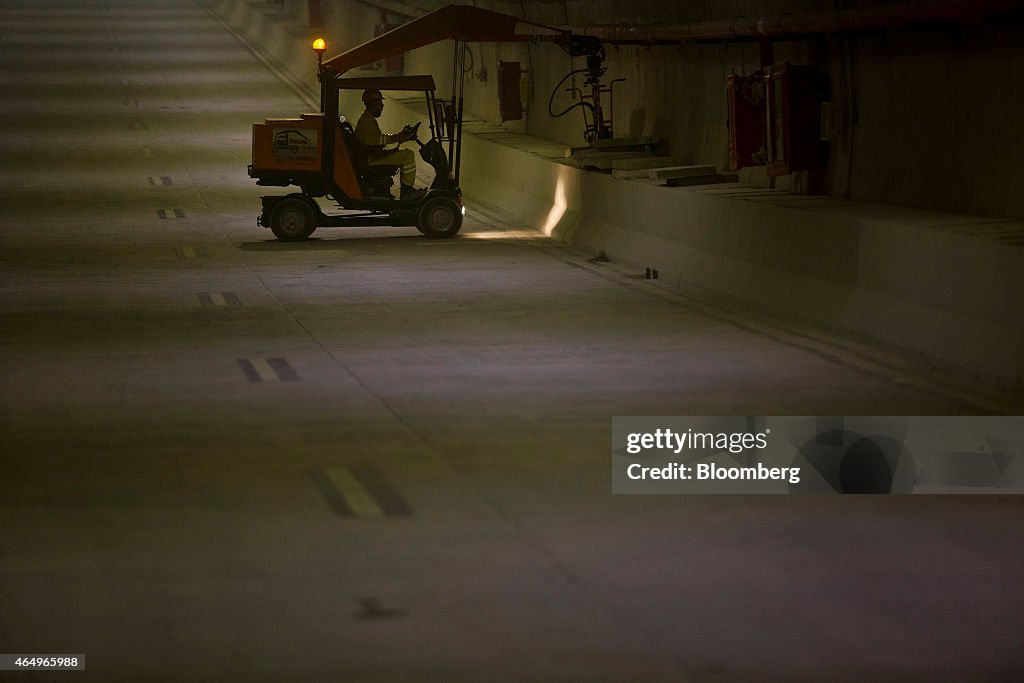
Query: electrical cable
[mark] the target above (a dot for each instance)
(568, 109)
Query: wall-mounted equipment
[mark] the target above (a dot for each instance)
(830, 121)
(792, 118)
(510, 99)
(745, 95)
(597, 126)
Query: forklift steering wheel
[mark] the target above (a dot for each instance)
(413, 132)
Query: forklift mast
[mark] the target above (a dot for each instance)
(329, 107)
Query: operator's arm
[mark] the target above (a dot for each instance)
(369, 133)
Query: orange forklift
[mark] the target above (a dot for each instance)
(320, 154)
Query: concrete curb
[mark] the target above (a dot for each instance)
(898, 276)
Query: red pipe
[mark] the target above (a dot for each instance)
(783, 25)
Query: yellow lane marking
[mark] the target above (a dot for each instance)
(356, 496)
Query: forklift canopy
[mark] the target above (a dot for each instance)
(460, 22)
(420, 83)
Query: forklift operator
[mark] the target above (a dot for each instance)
(369, 133)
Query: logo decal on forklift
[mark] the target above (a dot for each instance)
(294, 143)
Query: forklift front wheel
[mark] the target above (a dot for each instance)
(292, 220)
(440, 217)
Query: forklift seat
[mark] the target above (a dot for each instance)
(375, 181)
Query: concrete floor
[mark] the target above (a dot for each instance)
(376, 457)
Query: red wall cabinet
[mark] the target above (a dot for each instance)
(792, 119)
(745, 95)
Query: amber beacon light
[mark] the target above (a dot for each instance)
(319, 45)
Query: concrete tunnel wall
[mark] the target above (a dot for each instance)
(935, 284)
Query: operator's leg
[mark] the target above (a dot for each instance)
(403, 158)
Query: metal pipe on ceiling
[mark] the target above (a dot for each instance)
(790, 25)
(396, 7)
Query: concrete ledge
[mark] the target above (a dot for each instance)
(949, 287)
(926, 282)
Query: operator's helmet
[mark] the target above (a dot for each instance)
(371, 95)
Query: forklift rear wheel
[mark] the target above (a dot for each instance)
(292, 220)
(440, 217)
